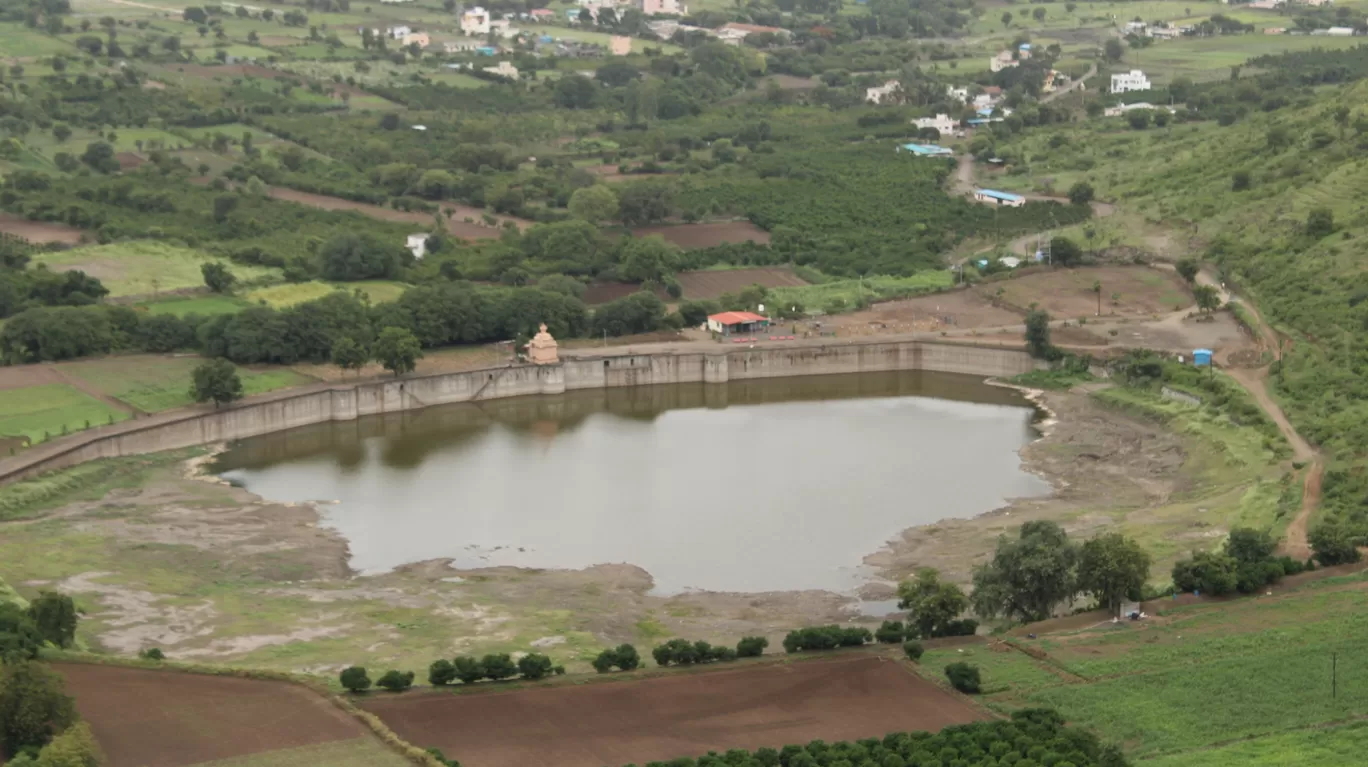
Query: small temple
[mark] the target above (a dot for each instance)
(541, 350)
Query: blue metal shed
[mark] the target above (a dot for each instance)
(1201, 357)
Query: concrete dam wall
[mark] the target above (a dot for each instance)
(343, 403)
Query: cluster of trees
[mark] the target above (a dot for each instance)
(826, 638)
(23, 288)
(51, 618)
(1030, 738)
(682, 652)
(38, 722)
(933, 609)
(465, 669)
(624, 657)
(1245, 564)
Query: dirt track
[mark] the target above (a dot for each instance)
(147, 718)
(677, 715)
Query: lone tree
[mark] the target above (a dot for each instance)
(55, 616)
(397, 350)
(1038, 334)
(34, 706)
(1065, 252)
(1112, 567)
(1207, 298)
(349, 355)
(1333, 543)
(1114, 49)
(355, 679)
(1081, 193)
(395, 681)
(1028, 576)
(1187, 269)
(931, 603)
(594, 204)
(215, 380)
(1320, 222)
(217, 277)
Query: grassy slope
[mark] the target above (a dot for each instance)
(144, 267)
(162, 383)
(46, 409)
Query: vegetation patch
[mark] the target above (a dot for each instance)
(144, 267)
(50, 410)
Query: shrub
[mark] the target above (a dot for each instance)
(913, 650)
(751, 647)
(623, 657)
(1206, 572)
(355, 679)
(152, 653)
(1333, 544)
(890, 632)
(498, 666)
(963, 677)
(535, 666)
(825, 638)
(959, 628)
(441, 672)
(395, 681)
(468, 669)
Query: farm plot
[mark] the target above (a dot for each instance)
(455, 223)
(281, 296)
(151, 383)
(144, 267)
(712, 283)
(39, 231)
(1067, 293)
(51, 408)
(149, 718)
(678, 715)
(690, 236)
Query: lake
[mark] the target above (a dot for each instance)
(761, 485)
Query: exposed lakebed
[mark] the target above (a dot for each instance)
(778, 484)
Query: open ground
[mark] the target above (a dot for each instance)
(713, 283)
(676, 715)
(689, 236)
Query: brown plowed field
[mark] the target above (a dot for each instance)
(714, 282)
(689, 236)
(455, 213)
(38, 231)
(145, 718)
(635, 722)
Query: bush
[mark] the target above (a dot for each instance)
(963, 677)
(1207, 572)
(1333, 544)
(355, 679)
(683, 653)
(963, 627)
(535, 666)
(913, 650)
(395, 681)
(890, 632)
(152, 653)
(751, 647)
(441, 672)
(498, 666)
(825, 638)
(468, 670)
(623, 657)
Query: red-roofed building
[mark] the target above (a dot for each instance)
(736, 323)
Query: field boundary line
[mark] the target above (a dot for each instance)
(1042, 658)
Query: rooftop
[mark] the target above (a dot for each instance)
(736, 318)
(926, 149)
(996, 195)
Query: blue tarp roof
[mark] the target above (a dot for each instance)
(996, 195)
(926, 149)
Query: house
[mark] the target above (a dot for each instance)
(542, 14)
(1023, 51)
(503, 28)
(397, 33)
(994, 197)
(736, 323)
(945, 124)
(1053, 80)
(420, 39)
(417, 244)
(926, 150)
(503, 69)
(620, 45)
(733, 32)
(460, 46)
(662, 7)
(1004, 60)
(988, 112)
(1164, 32)
(888, 93)
(1275, 30)
(1340, 31)
(1011, 262)
(475, 22)
(1135, 28)
(957, 94)
(1126, 82)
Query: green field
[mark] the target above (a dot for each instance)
(47, 410)
(206, 305)
(1314, 747)
(1210, 58)
(838, 295)
(18, 41)
(163, 382)
(145, 267)
(280, 296)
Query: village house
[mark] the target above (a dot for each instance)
(417, 244)
(1003, 60)
(991, 95)
(1275, 30)
(1126, 82)
(734, 32)
(888, 93)
(398, 32)
(958, 94)
(663, 7)
(420, 39)
(475, 22)
(945, 124)
(460, 46)
(994, 197)
(542, 14)
(503, 69)
(736, 323)
(1121, 109)
(1340, 31)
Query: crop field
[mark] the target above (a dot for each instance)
(144, 267)
(687, 714)
(206, 305)
(46, 409)
(18, 41)
(689, 236)
(1068, 293)
(151, 383)
(1210, 58)
(712, 283)
(280, 296)
(39, 231)
(186, 719)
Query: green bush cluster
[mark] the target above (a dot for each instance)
(494, 667)
(624, 657)
(826, 638)
(682, 652)
(964, 677)
(1245, 564)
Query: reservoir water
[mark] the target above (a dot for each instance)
(750, 486)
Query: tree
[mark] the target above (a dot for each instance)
(1139, 119)
(1239, 181)
(441, 672)
(34, 706)
(54, 615)
(20, 639)
(355, 679)
(1065, 252)
(913, 650)
(1320, 222)
(75, 747)
(535, 666)
(1207, 572)
(397, 350)
(1113, 49)
(468, 670)
(648, 258)
(224, 205)
(1249, 546)
(1029, 576)
(217, 277)
(1038, 334)
(215, 380)
(1038, 14)
(348, 257)
(395, 681)
(594, 204)
(348, 354)
(61, 131)
(1006, 19)
(964, 677)
(100, 156)
(1112, 567)
(1207, 298)
(931, 603)
(195, 15)
(1081, 193)
(1187, 269)
(751, 647)
(1333, 543)
(498, 666)
(644, 203)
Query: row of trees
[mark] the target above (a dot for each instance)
(465, 669)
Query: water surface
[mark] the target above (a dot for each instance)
(749, 486)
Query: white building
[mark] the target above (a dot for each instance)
(1004, 60)
(884, 94)
(1126, 82)
(504, 69)
(657, 7)
(943, 123)
(398, 33)
(417, 244)
(1340, 31)
(460, 46)
(958, 94)
(475, 21)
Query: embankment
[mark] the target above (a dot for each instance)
(198, 426)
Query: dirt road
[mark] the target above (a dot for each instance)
(1072, 86)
